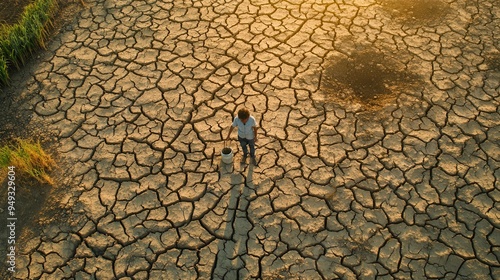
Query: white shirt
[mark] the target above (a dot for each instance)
(245, 130)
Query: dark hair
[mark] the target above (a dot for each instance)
(243, 114)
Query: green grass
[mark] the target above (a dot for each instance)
(18, 41)
(28, 157)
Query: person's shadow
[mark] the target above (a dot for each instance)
(232, 250)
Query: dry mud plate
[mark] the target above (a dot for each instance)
(378, 152)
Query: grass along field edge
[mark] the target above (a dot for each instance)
(18, 41)
(29, 158)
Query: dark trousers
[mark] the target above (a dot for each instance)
(251, 143)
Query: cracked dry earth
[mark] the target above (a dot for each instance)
(378, 154)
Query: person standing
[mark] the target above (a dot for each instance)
(247, 134)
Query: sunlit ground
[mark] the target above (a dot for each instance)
(377, 152)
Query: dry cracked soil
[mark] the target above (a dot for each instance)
(378, 153)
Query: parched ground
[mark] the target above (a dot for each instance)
(378, 152)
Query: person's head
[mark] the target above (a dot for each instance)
(243, 114)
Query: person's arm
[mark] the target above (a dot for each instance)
(255, 133)
(229, 134)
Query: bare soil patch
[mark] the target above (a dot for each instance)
(493, 62)
(368, 78)
(11, 10)
(416, 10)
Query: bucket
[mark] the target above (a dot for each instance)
(227, 154)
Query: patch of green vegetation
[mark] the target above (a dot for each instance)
(28, 157)
(18, 41)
